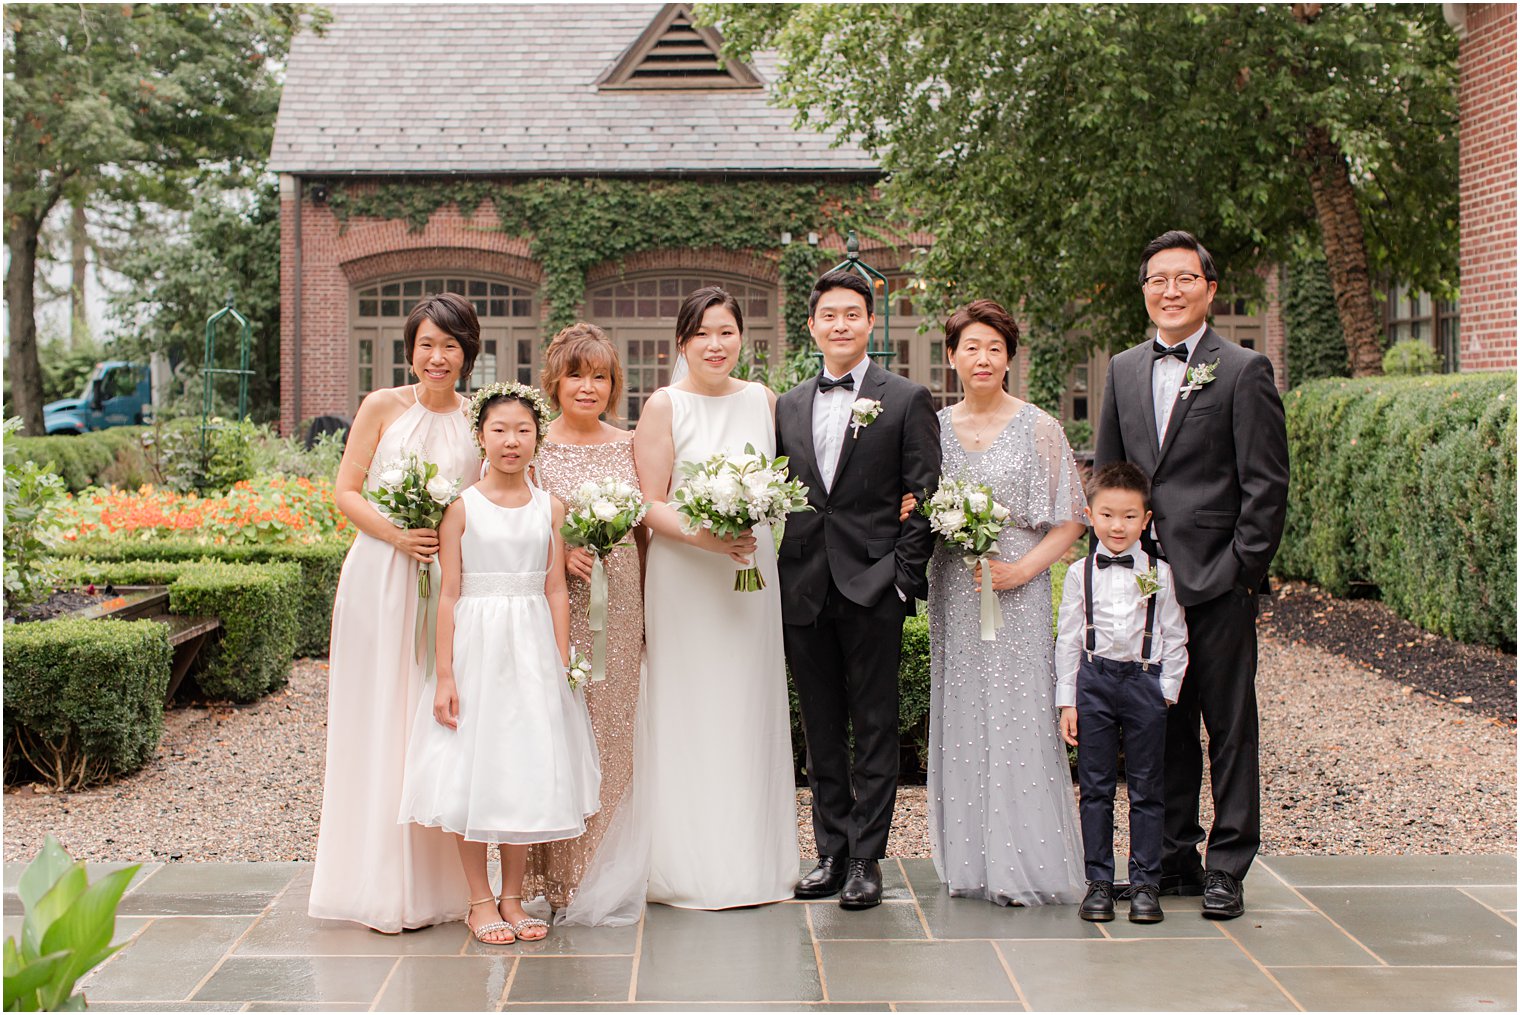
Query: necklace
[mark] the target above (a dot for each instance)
(970, 420)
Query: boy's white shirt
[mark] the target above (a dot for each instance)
(1119, 623)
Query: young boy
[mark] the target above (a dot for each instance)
(1121, 654)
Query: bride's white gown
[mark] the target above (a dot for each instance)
(712, 814)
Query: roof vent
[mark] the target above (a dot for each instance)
(675, 53)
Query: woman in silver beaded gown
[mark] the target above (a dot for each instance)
(584, 380)
(1002, 814)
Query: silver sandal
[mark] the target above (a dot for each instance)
(526, 922)
(489, 928)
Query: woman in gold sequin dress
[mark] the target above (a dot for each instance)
(583, 380)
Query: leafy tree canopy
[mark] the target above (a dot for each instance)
(1045, 144)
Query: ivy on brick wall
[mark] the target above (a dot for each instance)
(575, 224)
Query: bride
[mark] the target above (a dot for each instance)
(713, 820)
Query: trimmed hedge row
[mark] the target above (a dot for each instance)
(320, 564)
(99, 458)
(1408, 484)
(84, 699)
(257, 604)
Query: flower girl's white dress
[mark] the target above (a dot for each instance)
(522, 766)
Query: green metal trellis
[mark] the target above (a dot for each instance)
(210, 371)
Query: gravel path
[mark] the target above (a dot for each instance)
(1351, 763)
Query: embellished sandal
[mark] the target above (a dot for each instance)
(525, 923)
(494, 927)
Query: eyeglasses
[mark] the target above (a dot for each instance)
(1184, 281)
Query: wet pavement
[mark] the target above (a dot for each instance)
(1320, 933)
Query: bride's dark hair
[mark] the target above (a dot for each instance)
(689, 320)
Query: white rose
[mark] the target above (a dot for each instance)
(604, 509)
(586, 491)
(977, 502)
(999, 512)
(392, 476)
(440, 489)
(863, 406)
(952, 520)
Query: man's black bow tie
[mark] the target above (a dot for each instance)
(847, 382)
(1180, 350)
(1126, 560)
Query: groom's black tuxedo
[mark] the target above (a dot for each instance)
(841, 566)
(1219, 494)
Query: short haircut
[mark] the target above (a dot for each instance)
(455, 316)
(988, 312)
(575, 350)
(1119, 476)
(841, 279)
(689, 318)
(1177, 239)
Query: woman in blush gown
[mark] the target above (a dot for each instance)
(1002, 816)
(583, 381)
(371, 869)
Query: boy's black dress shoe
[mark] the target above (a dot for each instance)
(1145, 904)
(823, 880)
(1224, 897)
(1098, 903)
(862, 886)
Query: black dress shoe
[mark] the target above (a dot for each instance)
(862, 886)
(1145, 904)
(1098, 903)
(1224, 898)
(1182, 884)
(823, 880)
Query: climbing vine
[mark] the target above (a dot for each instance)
(575, 224)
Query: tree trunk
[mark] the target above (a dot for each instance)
(1340, 224)
(25, 370)
(79, 245)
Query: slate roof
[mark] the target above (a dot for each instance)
(455, 88)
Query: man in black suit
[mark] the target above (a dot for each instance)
(1202, 417)
(850, 571)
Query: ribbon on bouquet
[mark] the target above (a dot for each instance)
(428, 577)
(597, 616)
(992, 616)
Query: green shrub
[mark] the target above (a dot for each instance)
(84, 699)
(1410, 358)
(1408, 484)
(320, 563)
(32, 494)
(1316, 345)
(257, 604)
(101, 458)
(66, 933)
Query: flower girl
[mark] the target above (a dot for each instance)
(503, 751)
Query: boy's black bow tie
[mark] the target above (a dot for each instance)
(1126, 560)
(1180, 350)
(847, 382)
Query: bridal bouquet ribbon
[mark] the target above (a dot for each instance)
(600, 515)
(411, 495)
(727, 494)
(964, 515)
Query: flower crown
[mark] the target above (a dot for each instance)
(516, 389)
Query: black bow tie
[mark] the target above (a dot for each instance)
(1104, 560)
(1180, 350)
(847, 382)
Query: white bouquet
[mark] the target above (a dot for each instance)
(412, 495)
(599, 516)
(730, 493)
(963, 514)
(579, 670)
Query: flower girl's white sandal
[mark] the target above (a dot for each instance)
(525, 923)
(494, 927)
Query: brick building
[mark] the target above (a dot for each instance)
(1487, 184)
(415, 96)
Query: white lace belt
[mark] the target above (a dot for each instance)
(502, 583)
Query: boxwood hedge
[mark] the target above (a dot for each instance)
(100, 458)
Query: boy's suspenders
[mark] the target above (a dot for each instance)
(1092, 636)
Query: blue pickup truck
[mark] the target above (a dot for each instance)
(117, 394)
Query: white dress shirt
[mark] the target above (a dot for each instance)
(1119, 623)
(1166, 380)
(831, 421)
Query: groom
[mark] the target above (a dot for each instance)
(1202, 417)
(859, 437)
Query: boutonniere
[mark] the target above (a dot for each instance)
(1198, 376)
(863, 412)
(1149, 582)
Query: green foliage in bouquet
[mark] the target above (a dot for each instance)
(66, 933)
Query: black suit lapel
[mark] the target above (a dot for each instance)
(1204, 352)
(805, 454)
(1142, 386)
(875, 380)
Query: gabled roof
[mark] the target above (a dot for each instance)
(529, 89)
(676, 52)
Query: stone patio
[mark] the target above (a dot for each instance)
(1344, 932)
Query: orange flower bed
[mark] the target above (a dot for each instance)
(270, 509)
